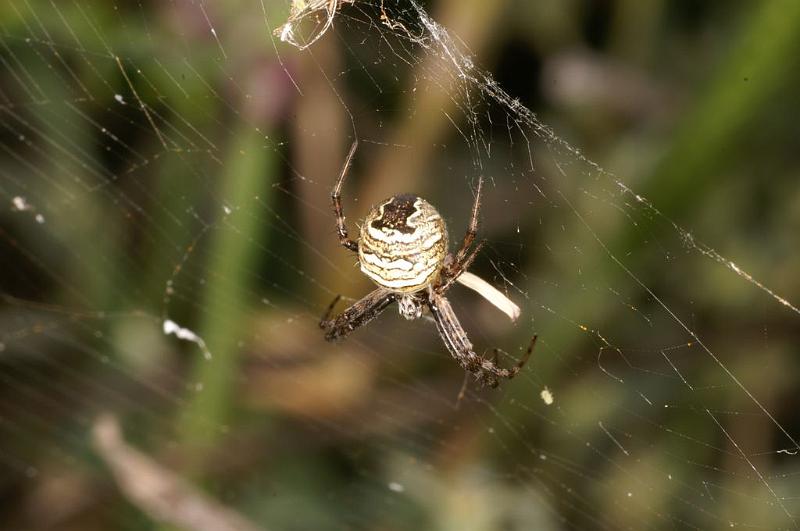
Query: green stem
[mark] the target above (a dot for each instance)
(232, 254)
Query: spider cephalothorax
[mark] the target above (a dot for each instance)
(403, 249)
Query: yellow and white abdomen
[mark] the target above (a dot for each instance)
(403, 244)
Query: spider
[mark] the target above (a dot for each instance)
(403, 249)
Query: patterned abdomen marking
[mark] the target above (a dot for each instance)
(403, 243)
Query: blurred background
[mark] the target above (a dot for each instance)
(167, 249)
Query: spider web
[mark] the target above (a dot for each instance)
(168, 248)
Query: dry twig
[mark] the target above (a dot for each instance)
(157, 491)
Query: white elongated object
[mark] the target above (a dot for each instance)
(490, 293)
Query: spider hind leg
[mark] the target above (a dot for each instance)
(495, 371)
(486, 371)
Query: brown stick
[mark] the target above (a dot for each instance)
(157, 491)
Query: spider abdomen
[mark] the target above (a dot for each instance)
(403, 243)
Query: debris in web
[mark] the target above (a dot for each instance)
(490, 293)
(172, 328)
(394, 486)
(158, 491)
(302, 10)
(547, 396)
(20, 204)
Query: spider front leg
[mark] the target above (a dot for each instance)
(453, 270)
(472, 229)
(463, 258)
(356, 315)
(336, 199)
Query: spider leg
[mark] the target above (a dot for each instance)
(336, 199)
(449, 275)
(492, 381)
(455, 338)
(495, 355)
(463, 391)
(460, 262)
(328, 312)
(495, 369)
(357, 315)
(472, 228)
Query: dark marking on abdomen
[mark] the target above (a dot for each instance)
(396, 212)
